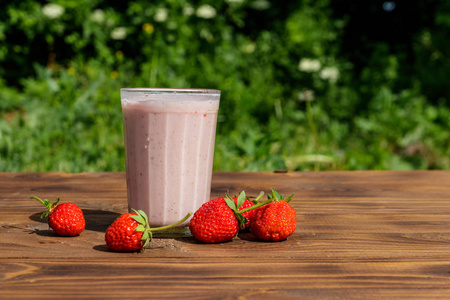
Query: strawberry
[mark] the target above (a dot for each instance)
(219, 219)
(214, 222)
(132, 232)
(66, 219)
(276, 220)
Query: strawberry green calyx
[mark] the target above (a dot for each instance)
(144, 226)
(47, 204)
(279, 197)
(240, 200)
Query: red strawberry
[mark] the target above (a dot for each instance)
(132, 232)
(219, 220)
(66, 219)
(214, 222)
(276, 220)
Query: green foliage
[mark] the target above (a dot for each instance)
(290, 99)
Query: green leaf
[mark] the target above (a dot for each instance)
(146, 243)
(148, 238)
(230, 202)
(140, 228)
(143, 215)
(276, 195)
(145, 236)
(289, 198)
(138, 219)
(241, 199)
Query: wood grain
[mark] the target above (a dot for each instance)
(360, 235)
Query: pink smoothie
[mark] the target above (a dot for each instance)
(169, 145)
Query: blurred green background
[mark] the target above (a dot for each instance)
(306, 85)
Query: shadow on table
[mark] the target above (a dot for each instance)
(102, 248)
(96, 220)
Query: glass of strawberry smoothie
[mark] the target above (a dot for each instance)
(169, 139)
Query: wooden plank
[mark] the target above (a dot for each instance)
(360, 235)
(211, 278)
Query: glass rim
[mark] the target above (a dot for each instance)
(171, 90)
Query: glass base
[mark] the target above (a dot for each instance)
(176, 232)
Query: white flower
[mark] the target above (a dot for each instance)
(329, 73)
(98, 16)
(307, 95)
(161, 15)
(309, 65)
(52, 11)
(188, 10)
(119, 33)
(206, 12)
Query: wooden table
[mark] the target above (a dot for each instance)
(360, 235)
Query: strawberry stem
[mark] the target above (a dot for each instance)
(171, 225)
(259, 204)
(256, 206)
(47, 204)
(144, 227)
